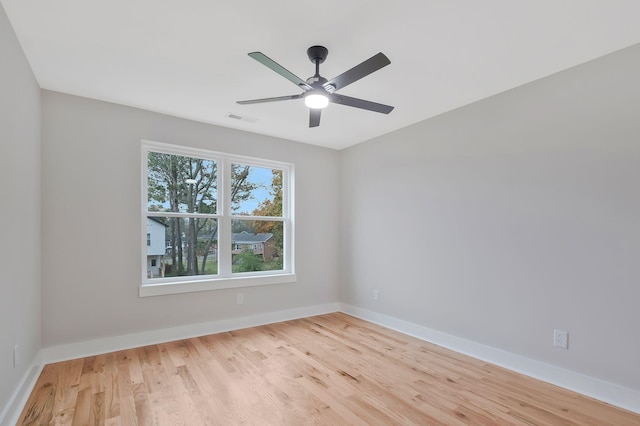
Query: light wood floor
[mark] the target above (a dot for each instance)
(331, 369)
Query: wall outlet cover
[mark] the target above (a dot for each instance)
(561, 339)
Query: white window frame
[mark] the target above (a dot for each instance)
(225, 278)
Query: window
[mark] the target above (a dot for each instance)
(214, 220)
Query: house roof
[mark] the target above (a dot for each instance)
(248, 238)
(243, 237)
(189, 59)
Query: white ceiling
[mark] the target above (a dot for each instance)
(189, 58)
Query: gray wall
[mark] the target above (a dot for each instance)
(505, 219)
(19, 212)
(497, 222)
(92, 214)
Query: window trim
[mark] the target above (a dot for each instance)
(225, 278)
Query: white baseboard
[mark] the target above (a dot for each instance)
(613, 394)
(11, 412)
(619, 396)
(134, 340)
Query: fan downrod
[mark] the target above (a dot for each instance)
(317, 54)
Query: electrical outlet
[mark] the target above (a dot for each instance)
(376, 295)
(561, 339)
(240, 299)
(15, 356)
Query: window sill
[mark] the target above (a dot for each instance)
(174, 287)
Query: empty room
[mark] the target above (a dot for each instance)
(344, 213)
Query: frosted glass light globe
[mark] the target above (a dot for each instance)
(316, 101)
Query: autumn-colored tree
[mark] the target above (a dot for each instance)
(271, 207)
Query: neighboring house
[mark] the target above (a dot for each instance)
(261, 244)
(155, 248)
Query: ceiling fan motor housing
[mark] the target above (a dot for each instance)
(317, 54)
(316, 80)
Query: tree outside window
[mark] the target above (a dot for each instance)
(206, 200)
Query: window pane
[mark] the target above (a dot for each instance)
(181, 184)
(182, 247)
(256, 191)
(256, 245)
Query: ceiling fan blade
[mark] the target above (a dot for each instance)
(360, 103)
(314, 117)
(372, 64)
(279, 98)
(266, 61)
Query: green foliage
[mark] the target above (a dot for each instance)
(274, 265)
(210, 268)
(248, 261)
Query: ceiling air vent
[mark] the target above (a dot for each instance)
(241, 118)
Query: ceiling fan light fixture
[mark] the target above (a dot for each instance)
(316, 100)
(317, 90)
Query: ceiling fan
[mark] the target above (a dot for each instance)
(318, 91)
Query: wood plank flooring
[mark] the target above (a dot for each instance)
(326, 370)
